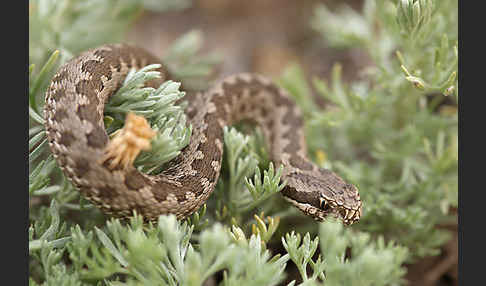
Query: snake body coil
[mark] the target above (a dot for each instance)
(77, 137)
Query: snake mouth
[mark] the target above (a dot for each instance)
(345, 215)
(348, 216)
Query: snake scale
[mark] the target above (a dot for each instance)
(77, 137)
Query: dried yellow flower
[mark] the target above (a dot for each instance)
(129, 141)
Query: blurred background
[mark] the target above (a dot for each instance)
(258, 36)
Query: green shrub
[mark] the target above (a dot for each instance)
(389, 133)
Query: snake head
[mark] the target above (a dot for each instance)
(322, 194)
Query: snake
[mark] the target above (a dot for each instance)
(73, 112)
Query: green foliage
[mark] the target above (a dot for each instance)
(235, 193)
(39, 178)
(302, 254)
(370, 262)
(262, 229)
(163, 255)
(37, 136)
(240, 160)
(271, 184)
(184, 62)
(47, 239)
(158, 107)
(49, 236)
(384, 132)
(59, 25)
(388, 133)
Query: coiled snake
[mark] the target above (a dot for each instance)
(77, 137)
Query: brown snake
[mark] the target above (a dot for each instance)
(77, 137)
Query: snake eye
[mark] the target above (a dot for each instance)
(324, 205)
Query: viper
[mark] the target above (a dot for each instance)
(77, 136)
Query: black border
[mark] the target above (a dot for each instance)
(471, 124)
(15, 122)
